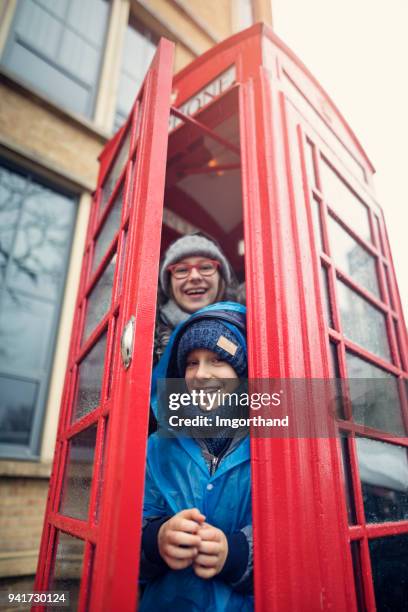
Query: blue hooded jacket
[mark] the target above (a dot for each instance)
(177, 477)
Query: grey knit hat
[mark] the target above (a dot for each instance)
(192, 245)
(214, 336)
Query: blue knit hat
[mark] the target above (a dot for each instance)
(215, 336)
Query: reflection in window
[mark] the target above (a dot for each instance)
(384, 479)
(25, 332)
(389, 563)
(375, 397)
(351, 258)
(343, 201)
(68, 567)
(57, 47)
(78, 475)
(363, 323)
(34, 222)
(17, 403)
(36, 225)
(138, 51)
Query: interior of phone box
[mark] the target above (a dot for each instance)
(203, 179)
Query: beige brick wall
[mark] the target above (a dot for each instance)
(21, 519)
(49, 137)
(182, 57)
(216, 13)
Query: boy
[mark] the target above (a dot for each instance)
(197, 534)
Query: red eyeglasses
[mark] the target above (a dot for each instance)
(205, 267)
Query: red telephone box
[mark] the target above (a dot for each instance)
(245, 145)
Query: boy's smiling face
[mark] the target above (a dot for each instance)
(207, 372)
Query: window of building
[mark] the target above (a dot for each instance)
(36, 226)
(138, 49)
(57, 47)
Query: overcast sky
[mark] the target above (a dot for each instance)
(358, 50)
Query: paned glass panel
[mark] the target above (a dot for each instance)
(326, 298)
(389, 564)
(317, 224)
(338, 407)
(78, 474)
(310, 164)
(112, 361)
(25, 332)
(122, 262)
(383, 471)
(343, 201)
(101, 475)
(398, 341)
(109, 229)
(388, 282)
(363, 323)
(100, 298)
(68, 567)
(334, 359)
(17, 402)
(348, 482)
(352, 259)
(374, 395)
(90, 373)
(358, 574)
(140, 111)
(380, 235)
(116, 169)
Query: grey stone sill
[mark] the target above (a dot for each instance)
(24, 469)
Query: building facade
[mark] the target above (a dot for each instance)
(69, 72)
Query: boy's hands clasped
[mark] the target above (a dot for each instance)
(186, 540)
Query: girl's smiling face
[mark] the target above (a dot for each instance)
(195, 291)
